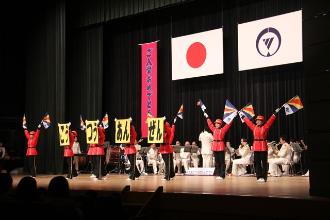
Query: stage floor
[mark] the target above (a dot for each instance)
(287, 187)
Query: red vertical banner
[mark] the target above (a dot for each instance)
(148, 84)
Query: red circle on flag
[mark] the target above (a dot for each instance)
(196, 55)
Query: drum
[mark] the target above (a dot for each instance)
(81, 161)
(113, 155)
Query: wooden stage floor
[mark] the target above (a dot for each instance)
(283, 187)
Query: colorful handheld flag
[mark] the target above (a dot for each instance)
(46, 121)
(248, 111)
(229, 113)
(24, 120)
(105, 121)
(201, 104)
(293, 105)
(82, 124)
(180, 112)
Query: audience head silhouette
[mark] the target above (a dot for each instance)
(27, 188)
(58, 187)
(6, 182)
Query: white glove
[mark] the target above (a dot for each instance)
(174, 120)
(69, 123)
(24, 127)
(115, 119)
(206, 115)
(164, 117)
(130, 119)
(241, 115)
(97, 121)
(39, 126)
(83, 127)
(277, 110)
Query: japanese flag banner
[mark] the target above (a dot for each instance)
(197, 55)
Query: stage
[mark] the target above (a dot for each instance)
(281, 187)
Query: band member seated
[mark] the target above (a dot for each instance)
(283, 157)
(160, 164)
(272, 149)
(239, 165)
(152, 157)
(177, 159)
(139, 159)
(229, 154)
(185, 156)
(195, 155)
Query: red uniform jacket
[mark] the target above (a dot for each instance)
(99, 148)
(68, 149)
(91, 150)
(260, 133)
(32, 143)
(218, 135)
(130, 148)
(166, 147)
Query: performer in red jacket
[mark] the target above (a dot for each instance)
(166, 150)
(130, 151)
(218, 146)
(260, 133)
(31, 151)
(99, 153)
(68, 154)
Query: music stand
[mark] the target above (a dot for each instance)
(194, 149)
(177, 149)
(187, 149)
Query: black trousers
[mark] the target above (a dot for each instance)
(133, 170)
(261, 164)
(220, 165)
(72, 172)
(169, 166)
(99, 170)
(32, 169)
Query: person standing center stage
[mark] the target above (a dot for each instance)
(68, 154)
(130, 151)
(218, 146)
(260, 148)
(166, 150)
(31, 151)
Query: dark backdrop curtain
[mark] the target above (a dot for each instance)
(266, 88)
(45, 81)
(85, 68)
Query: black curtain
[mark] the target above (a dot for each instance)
(45, 80)
(85, 75)
(266, 88)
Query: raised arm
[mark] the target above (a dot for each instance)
(249, 123)
(270, 122)
(133, 134)
(210, 124)
(227, 126)
(172, 134)
(27, 135)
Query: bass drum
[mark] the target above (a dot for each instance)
(82, 161)
(113, 155)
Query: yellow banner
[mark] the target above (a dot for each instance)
(155, 130)
(92, 134)
(63, 130)
(123, 131)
